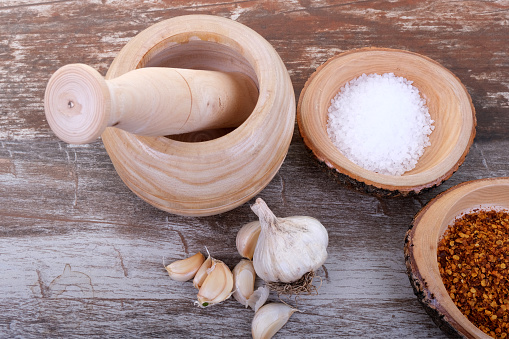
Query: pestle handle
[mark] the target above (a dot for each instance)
(153, 101)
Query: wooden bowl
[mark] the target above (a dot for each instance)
(421, 245)
(448, 102)
(213, 176)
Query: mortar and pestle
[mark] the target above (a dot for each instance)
(183, 80)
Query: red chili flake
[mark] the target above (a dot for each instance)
(473, 257)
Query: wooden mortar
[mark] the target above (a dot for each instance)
(214, 176)
(421, 244)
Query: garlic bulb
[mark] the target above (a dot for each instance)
(185, 269)
(217, 286)
(269, 319)
(243, 281)
(287, 248)
(247, 238)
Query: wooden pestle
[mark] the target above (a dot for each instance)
(153, 101)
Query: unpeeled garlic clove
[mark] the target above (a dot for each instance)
(258, 298)
(200, 276)
(269, 319)
(247, 237)
(217, 286)
(185, 269)
(243, 281)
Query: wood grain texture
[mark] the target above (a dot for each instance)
(64, 205)
(206, 178)
(154, 101)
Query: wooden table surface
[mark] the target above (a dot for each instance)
(80, 254)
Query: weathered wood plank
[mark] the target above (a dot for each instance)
(65, 205)
(466, 36)
(172, 319)
(121, 250)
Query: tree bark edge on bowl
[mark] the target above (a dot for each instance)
(421, 242)
(448, 101)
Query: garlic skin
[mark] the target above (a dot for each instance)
(217, 286)
(200, 276)
(247, 238)
(258, 298)
(243, 281)
(185, 269)
(287, 248)
(269, 319)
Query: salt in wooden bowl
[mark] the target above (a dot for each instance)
(421, 244)
(447, 99)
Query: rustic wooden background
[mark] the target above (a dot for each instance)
(82, 255)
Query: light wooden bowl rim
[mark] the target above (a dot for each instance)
(429, 225)
(274, 114)
(325, 151)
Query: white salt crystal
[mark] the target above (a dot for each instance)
(380, 122)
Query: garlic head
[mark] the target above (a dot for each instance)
(288, 248)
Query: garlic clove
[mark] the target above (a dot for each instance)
(200, 276)
(269, 319)
(243, 281)
(185, 269)
(247, 238)
(258, 298)
(217, 286)
(288, 248)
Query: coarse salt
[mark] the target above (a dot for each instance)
(381, 123)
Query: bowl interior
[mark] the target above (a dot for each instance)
(431, 225)
(193, 53)
(448, 103)
(199, 54)
(490, 197)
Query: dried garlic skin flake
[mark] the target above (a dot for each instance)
(185, 269)
(258, 298)
(243, 281)
(269, 319)
(247, 237)
(217, 286)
